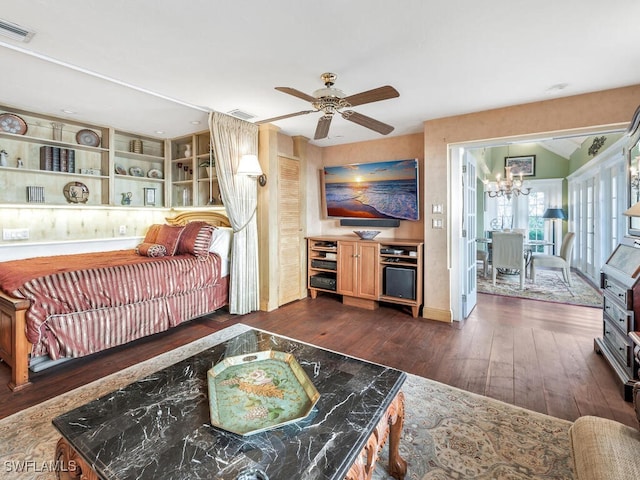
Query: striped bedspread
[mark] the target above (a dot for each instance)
(78, 312)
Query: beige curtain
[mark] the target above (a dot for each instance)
(232, 138)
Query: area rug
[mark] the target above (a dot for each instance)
(549, 287)
(448, 433)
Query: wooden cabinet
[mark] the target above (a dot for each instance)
(620, 283)
(194, 181)
(366, 272)
(46, 155)
(358, 277)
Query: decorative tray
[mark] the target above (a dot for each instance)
(253, 393)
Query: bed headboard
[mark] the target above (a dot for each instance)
(213, 218)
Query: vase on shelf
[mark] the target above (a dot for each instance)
(187, 150)
(56, 133)
(4, 157)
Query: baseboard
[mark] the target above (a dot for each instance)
(437, 314)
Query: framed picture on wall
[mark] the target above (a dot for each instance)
(524, 166)
(150, 197)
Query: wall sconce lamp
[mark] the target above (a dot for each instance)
(250, 166)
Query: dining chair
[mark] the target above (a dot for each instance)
(508, 253)
(483, 256)
(562, 261)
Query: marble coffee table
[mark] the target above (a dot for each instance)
(160, 427)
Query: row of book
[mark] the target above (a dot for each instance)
(56, 159)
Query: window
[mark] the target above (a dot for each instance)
(537, 207)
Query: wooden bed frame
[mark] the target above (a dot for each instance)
(14, 346)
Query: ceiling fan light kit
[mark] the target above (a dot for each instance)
(330, 100)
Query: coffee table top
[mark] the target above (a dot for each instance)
(160, 426)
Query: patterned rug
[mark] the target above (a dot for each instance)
(549, 287)
(448, 433)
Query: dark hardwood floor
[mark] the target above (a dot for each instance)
(529, 353)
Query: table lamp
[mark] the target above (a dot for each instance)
(554, 214)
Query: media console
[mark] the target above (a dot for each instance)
(366, 272)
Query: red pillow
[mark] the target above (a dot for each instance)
(169, 236)
(196, 239)
(152, 233)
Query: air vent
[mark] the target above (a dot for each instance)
(15, 32)
(241, 115)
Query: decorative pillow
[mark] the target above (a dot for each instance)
(169, 236)
(221, 242)
(196, 238)
(151, 250)
(152, 233)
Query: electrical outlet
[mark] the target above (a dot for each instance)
(15, 234)
(123, 230)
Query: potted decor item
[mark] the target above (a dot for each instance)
(209, 166)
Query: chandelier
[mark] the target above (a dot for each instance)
(507, 187)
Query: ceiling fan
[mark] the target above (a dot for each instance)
(330, 100)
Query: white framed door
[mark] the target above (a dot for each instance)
(462, 219)
(469, 229)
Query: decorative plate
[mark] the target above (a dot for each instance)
(120, 170)
(88, 138)
(12, 123)
(76, 192)
(136, 172)
(154, 173)
(259, 391)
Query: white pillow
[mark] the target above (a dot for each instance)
(221, 241)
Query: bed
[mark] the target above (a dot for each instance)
(68, 306)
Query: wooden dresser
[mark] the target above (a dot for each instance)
(620, 282)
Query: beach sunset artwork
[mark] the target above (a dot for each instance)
(373, 190)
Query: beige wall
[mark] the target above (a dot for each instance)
(564, 114)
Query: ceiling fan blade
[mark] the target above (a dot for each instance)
(375, 95)
(322, 130)
(296, 93)
(367, 122)
(281, 117)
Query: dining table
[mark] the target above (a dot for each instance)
(529, 247)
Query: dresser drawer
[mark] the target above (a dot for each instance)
(624, 319)
(619, 292)
(620, 346)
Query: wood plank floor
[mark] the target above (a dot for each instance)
(529, 353)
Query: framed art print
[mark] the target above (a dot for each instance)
(150, 197)
(521, 166)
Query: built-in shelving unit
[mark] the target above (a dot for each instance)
(194, 179)
(48, 157)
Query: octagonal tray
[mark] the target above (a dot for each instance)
(259, 391)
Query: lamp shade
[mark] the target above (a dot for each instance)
(554, 213)
(634, 211)
(250, 166)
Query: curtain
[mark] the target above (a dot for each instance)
(231, 138)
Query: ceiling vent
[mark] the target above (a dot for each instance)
(241, 115)
(15, 32)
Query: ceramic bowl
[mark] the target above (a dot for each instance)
(366, 234)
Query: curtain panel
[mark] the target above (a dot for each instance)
(231, 139)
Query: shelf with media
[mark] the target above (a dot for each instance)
(58, 161)
(366, 272)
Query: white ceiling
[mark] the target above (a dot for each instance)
(445, 58)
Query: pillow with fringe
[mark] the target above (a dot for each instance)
(196, 238)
